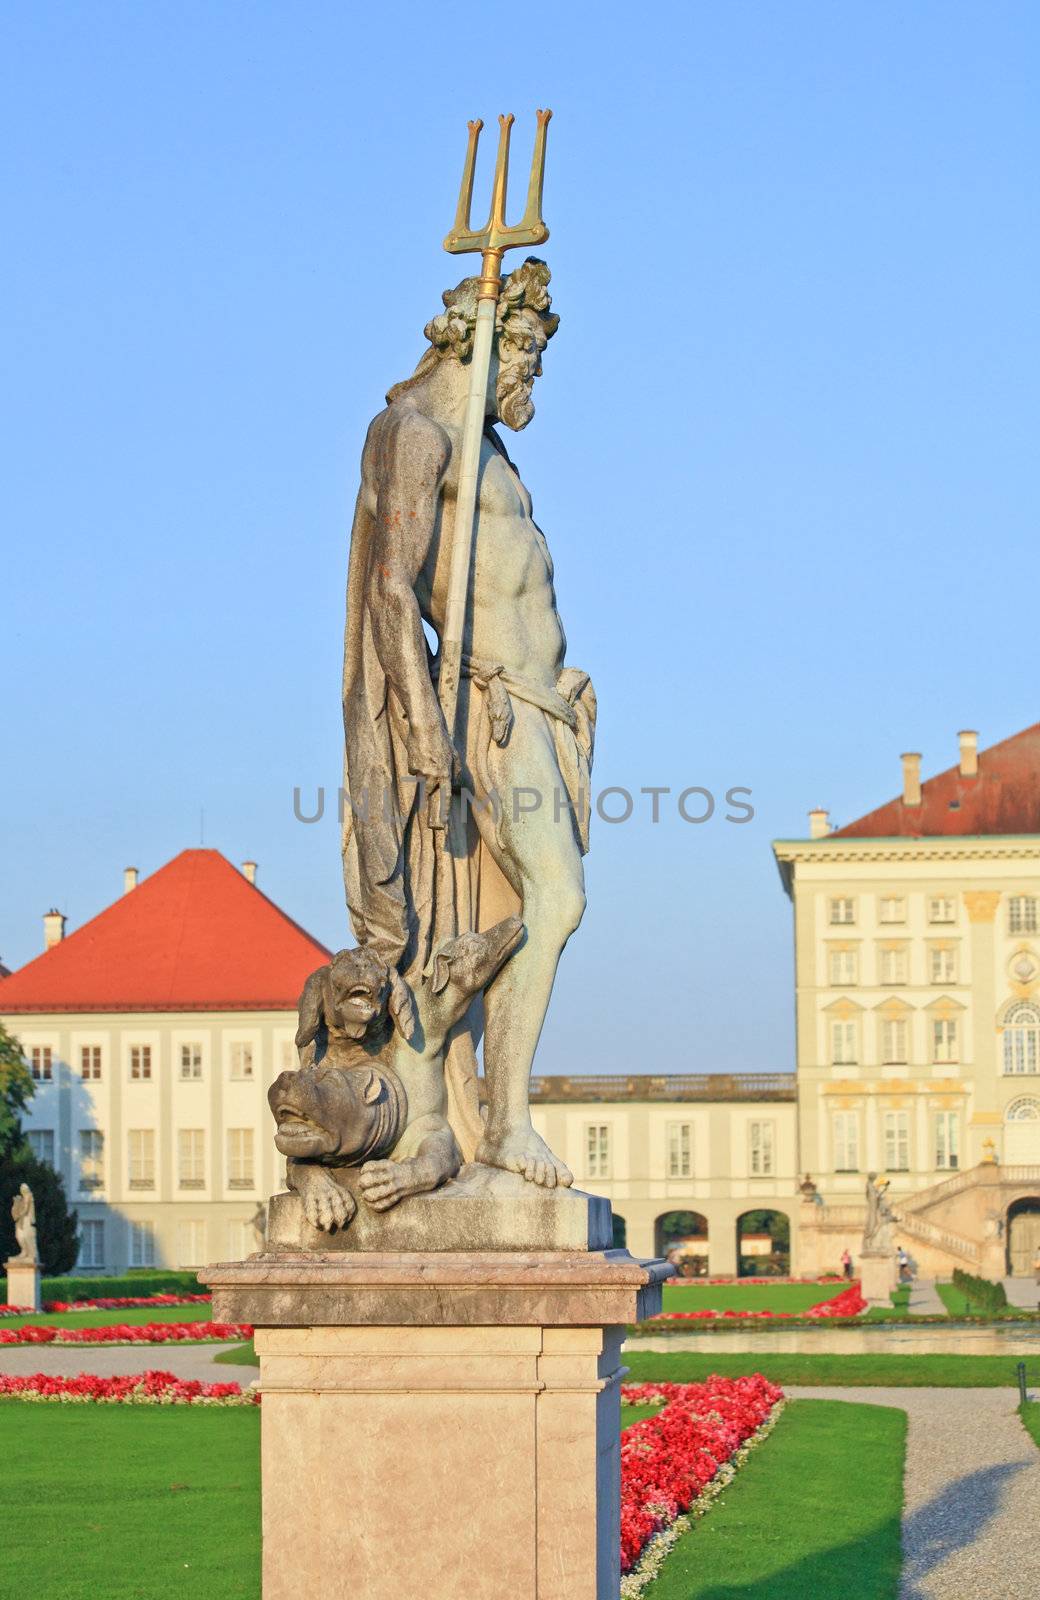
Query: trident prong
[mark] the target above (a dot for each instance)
(497, 236)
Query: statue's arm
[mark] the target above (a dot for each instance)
(414, 456)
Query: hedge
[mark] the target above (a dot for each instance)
(982, 1292)
(134, 1283)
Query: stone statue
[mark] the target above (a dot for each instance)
(258, 1223)
(523, 735)
(371, 1093)
(881, 1219)
(23, 1210)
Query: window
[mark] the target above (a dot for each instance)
(141, 1061)
(893, 966)
(843, 1044)
(843, 966)
(680, 1153)
(91, 1243)
(846, 1141)
(240, 1158)
(942, 964)
(944, 1039)
(892, 908)
(142, 1244)
(897, 1141)
(1022, 1040)
(191, 1063)
(893, 1040)
(760, 1139)
(41, 1143)
(241, 1060)
(91, 1159)
(40, 1059)
(843, 910)
(947, 1139)
(141, 1144)
(1022, 916)
(288, 1056)
(941, 908)
(242, 1241)
(191, 1243)
(191, 1158)
(90, 1062)
(597, 1150)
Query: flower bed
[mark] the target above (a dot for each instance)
(139, 1389)
(848, 1304)
(122, 1303)
(675, 1464)
(128, 1333)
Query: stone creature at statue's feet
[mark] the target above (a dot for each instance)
(325, 1204)
(384, 1183)
(525, 1152)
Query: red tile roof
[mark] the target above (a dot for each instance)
(195, 936)
(1004, 797)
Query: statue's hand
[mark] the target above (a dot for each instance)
(431, 754)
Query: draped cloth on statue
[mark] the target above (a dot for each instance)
(389, 848)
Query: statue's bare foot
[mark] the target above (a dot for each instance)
(384, 1183)
(525, 1152)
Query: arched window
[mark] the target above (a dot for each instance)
(1024, 1109)
(1022, 1040)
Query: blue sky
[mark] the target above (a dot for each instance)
(785, 450)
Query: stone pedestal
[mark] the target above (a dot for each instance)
(877, 1278)
(23, 1284)
(440, 1424)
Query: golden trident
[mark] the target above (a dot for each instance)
(493, 240)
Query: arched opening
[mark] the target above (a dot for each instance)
(682, 1236)
(763, 1244)
(1023, 1236)
(1022, 1040)
(620, 1227)
(1022, 1132)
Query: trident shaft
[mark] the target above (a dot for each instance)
(492, 241)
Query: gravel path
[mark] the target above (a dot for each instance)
(924, 1299)
(114, 1361)
(971, 1493)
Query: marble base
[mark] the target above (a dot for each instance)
(440, 1425)
(877, 1278)
(23, 1284)
(483, 1208)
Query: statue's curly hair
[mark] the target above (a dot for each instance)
(523, 320)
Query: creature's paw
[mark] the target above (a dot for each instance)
(325, 1204)
(383, 1183)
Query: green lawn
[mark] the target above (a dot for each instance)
(813, 1515)
(955, 1372)
(1030, 1414)
(239, 1355)
(131, 1502)
(793, 1297)
(104, 1319)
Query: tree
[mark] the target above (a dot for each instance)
(57, 1227)
(16, 1090)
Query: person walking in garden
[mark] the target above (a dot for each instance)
(846, 1264)
(1036, 1266)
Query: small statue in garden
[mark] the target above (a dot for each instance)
(23, 1210)
(877, 1233)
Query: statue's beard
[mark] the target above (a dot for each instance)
(513, 394)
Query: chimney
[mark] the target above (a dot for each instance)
(968, 740)
(819, 823)
(129, 879)
(249, 871)
(53, 928)
(911, 778)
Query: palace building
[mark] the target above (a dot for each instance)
(154, 1031)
